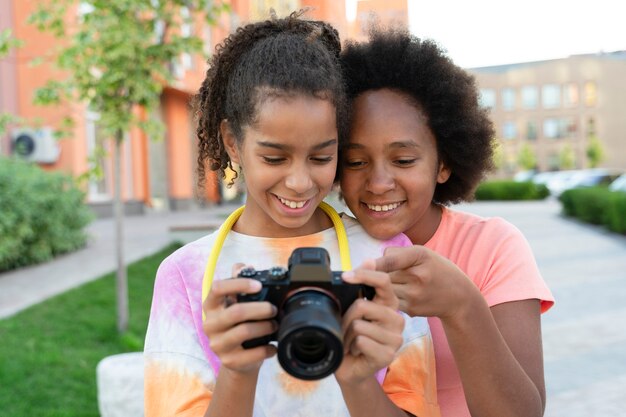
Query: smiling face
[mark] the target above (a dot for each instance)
(289, 159)
(391, 167)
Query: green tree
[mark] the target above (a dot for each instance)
(594, 151)
(118, 55)
(526, 158)
(498, 154)
(567, 159)
(7, 42)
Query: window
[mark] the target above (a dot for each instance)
(99, 188)
(508, 99)
(530, 96)
(551, 128)
(591, 93)
(509, 130)
(531, 130)
(570, 95)
(591, 127)
(487, 98)
(551, 96)
(554, 128)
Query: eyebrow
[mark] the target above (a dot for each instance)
(283, 147)
(397, 144)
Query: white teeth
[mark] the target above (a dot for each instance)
(292, 204)
(385, 207)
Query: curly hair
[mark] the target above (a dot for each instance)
(272, 58)
(447, 94)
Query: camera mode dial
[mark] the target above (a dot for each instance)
(277, 273)
(247, 273)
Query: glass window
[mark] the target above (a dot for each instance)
(570, 95)
(509, 130)
(569, 126)
(530, 96)
(508, 99)
(531, 130)
(559, 128)
(551, 96)
(487, 98)
(591, 93)
(551, 128)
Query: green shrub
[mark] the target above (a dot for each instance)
(615, 218)
(42, 214)
(596, 205)
(511, 190)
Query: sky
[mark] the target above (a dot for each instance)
(489, 32)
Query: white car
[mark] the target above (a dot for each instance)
(619, 184)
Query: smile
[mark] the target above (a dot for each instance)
(384, 207)
(292, 204)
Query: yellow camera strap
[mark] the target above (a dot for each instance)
(340, 230)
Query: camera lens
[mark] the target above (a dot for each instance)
(309, 339)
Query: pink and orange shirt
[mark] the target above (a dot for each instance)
(181, 369)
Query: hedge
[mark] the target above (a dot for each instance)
(511, 190)
(42, 214)
(596, 205)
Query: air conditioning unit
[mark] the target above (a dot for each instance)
(35, 145)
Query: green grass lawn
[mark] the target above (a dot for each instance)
(49, 352)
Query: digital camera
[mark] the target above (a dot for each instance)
(310, 298)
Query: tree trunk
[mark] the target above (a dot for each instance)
(121, 279)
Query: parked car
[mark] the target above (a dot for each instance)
(587, 178)
(559, 181)
(619, 184)
(522, 176)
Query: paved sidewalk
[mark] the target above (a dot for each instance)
(143, 236)
(584, 335)
(585, 266)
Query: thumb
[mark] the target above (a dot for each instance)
(399, 258)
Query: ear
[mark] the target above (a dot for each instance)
(443, 173)
(230, 141)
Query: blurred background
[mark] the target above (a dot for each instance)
(552, 75)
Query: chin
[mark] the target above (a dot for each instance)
(382, 233)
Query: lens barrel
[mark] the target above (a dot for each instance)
(310, 341)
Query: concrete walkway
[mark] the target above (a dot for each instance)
(585, 266)
(584, 334)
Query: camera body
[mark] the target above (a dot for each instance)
(310, 298)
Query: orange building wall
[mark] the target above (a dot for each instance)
(331, 11)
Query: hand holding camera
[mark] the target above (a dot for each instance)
(323, 323)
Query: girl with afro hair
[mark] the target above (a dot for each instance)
(418, 142)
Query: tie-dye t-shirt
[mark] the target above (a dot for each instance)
(181, 369)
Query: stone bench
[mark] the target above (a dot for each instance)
(120, 385)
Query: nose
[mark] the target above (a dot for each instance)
(299, 179)
(379, 180)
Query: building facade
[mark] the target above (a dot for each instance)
(556, 108)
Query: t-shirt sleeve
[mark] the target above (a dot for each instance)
(513, 274)
(178, 379)
(410, 382)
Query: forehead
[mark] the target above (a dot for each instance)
(298, 119)
(381, 116)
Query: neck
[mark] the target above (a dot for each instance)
(425, 229)
(249, 225)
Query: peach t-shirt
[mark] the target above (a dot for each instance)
(498, 259)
